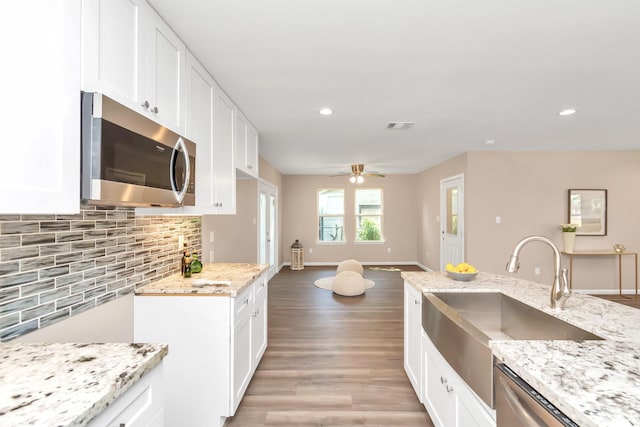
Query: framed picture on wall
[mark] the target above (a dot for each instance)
(588, 210)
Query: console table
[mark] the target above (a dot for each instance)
(571, 255)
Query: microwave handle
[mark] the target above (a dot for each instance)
(172, 170)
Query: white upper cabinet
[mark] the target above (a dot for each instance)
(246, 147)
(224, 171)
(210, 116)
(164, 74)
(209, 119)
(131, 55)
(40, 107)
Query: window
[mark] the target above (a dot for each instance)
(331, 215)
(369, 215)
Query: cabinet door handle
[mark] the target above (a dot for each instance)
(443, 380)
(249, 167)
(145, 104)
(448, 388)
(155, 110)
(415, 301)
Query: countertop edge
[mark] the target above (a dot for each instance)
(120, 388)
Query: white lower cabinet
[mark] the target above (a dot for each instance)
(448, 399)
(140, 406)
(212, 355)
(412, 337)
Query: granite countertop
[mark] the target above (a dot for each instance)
(68, 384)
(596, 383)
(237, 275)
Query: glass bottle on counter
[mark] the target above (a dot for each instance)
(187, 267)
(196, 265)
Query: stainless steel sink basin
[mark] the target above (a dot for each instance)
(501, 317)
(461, 324)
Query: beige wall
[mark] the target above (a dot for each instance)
(428, 254)
(109, 322)
(528, 190)
(236, 236)
(399, 219)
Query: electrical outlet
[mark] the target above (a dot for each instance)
(388, 250)
(536, 271)
(211, 237)
(210, 256)
(498, 220)
(180, 242)
(310, 250)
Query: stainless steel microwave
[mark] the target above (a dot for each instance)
(130, 160)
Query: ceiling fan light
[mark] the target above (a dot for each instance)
(360, 179)
(352, 179)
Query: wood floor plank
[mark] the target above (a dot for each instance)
(332, 360)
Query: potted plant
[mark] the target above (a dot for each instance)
(569, 236)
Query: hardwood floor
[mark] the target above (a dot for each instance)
(630, 300)
(332, 360)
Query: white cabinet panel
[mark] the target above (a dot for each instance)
(412, 337)
(259, 331)
(112, 49)
(140, 406)
(131, 55)
(40, 107)
(165, 74)
(211, 354)
(246, 146)
(224, 171)
(242, 359)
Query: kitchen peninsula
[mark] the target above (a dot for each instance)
(594, 382)
(215, 323)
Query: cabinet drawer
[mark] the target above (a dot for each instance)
(243, 302)
(137, 407)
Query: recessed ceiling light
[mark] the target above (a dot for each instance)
(567, 112)
(326, 111)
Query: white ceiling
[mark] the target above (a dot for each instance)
(464, 71)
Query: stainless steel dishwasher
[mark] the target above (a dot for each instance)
(519, 404)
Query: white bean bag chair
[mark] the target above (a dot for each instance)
(350, 265)
(349, 284)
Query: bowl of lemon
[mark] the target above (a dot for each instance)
(462, 272)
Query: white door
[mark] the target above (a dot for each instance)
(451, 221)
(267, 233)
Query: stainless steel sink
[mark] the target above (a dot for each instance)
(461, 324)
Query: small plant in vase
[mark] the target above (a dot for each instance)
(569, 236)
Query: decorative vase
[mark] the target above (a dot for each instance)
(569, 240)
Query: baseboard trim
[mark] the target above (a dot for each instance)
(332, 264)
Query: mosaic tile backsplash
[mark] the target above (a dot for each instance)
(55, 266)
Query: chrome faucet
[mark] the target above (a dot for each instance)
(560, 289)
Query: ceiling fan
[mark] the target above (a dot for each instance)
(357, 174)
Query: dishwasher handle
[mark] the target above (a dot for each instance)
(519, 404)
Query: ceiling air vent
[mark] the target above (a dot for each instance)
(400, 125)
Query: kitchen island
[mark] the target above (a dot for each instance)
(596, 383)
(60, 384)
